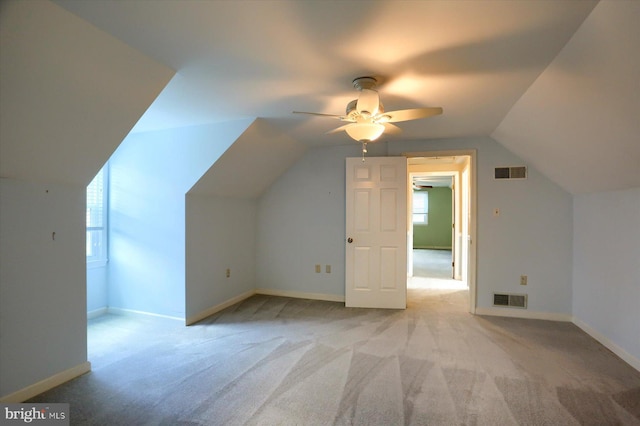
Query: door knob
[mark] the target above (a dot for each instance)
(349, 240)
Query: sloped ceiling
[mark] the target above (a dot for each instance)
(238, 59)
(579, 123)
(69, 93)
(251, 164)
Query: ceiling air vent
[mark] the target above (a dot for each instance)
(517, 172)
(511, 300)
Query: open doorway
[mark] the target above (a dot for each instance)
(441, 221)
(433, 217)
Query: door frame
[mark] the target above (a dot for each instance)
(472, 219)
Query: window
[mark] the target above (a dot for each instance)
(421, 207)
(97, 219)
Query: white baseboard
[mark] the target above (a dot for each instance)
(613, 347)
(301, 295)
(121, 311)
(46, 384)
(269, 292)
(220, 306)
(523, 313)
(604, 340)
(97, 313)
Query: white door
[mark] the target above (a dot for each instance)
(376, 225)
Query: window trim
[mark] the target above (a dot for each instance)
(424, 212)
(103, 258)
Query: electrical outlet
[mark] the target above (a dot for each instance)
(228, 272)
(318, 269)
(327, 269)
(523, 280)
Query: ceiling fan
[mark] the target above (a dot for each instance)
(366, 117)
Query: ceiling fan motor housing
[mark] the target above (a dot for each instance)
(353, 111)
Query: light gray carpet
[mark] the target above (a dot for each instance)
(273, 360)
(432, 263)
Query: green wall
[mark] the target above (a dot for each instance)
(437, 233)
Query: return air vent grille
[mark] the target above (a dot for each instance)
(511, 300)
(518, 172)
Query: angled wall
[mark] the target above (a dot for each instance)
(150, 173)
(70, 93)
(578, 122)
(222, 217)
(251, 164)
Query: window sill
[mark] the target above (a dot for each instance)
(92, 264)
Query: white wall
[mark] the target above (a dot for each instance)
(69, 94)
(150, 174)
(606, 269)
(584, 104)
(222, 217)
(532, 236)
(146, 229)
(254, 161)
(221, 233)
(301, 224)
(97, 288)
(42, 282)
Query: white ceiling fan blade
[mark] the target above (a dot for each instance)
(411, 114)
(338, 117)
(391, 129)
(340, 129)
(368, 102)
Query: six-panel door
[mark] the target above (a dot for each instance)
(376, 257)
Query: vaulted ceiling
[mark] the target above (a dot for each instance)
(556, 82)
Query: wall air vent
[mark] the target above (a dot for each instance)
(510, 300)
(517, 172)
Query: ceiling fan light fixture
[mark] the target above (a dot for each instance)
(365, 132)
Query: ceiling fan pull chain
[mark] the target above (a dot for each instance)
(364, 150)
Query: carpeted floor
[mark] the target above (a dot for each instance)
(432, 263)
(280, 361)
(432, 269)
